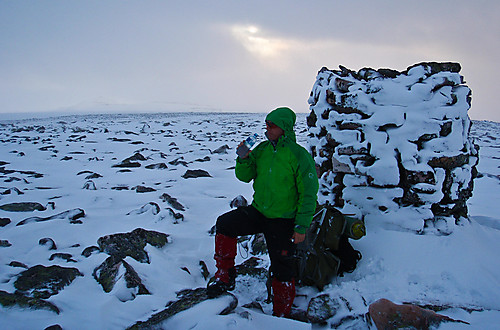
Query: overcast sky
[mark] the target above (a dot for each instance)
(230, 55)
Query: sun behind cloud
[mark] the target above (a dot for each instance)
(258, 43)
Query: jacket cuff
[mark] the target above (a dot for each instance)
(300, 229)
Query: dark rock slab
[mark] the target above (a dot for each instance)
(388, 315)
(177, 216)
(64, 256)
(72, 215)
(172, 201)
(87, 252)
(18, 264)
(238, 201)
(106, 274)
(4, 222)
(23, 207)
(149, 207)
(48, 242)
(178, 161)
(12, 191)
(127, 165)
(204, 159)
(251, 267)
(158, 166)
(321, 308)
(196, 174)
(5, 243)
(143, 189)
(221, 150)
(18, 299)
(42, 282)
(186, 299)
(132, 244)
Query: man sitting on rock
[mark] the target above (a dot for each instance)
(285, 191)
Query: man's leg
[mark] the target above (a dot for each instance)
(242, 221)
(278, 234)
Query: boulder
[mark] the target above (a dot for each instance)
(42, 282)
(132, 244)
(20, 300)
(22, 207)
(108, 273)
(388, 315)
(196, 174)
(4, 222)
(321, 308)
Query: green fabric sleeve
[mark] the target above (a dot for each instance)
(307, 187)
(245, 169)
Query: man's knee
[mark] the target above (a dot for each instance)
(223, 225)
(283, 266)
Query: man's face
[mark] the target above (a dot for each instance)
(273, 131)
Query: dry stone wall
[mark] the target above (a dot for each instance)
(394, 147)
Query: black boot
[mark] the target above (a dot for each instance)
(216, 287)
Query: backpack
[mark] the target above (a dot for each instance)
(326, 251)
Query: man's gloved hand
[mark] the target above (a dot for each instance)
(298, 238)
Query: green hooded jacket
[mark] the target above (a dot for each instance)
(284, 175)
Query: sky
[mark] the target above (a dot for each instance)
(237, 56)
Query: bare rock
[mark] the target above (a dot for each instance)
(158, 166)
(23, 207)
(151, 207)
(4, 243)
(132, 244)
(18, 264)
(221, 150)
(4, 222)
(172, 201)
(64, 256)
(238, 201)
(73, 216)
(18, 299)
(49, 242)
(196, 174)
(186, 299)
(87, 252)
(42, 282)
(143, 189)
(321, 308)
(108, 273)
(388, 315)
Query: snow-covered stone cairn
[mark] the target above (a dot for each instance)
(394, 147)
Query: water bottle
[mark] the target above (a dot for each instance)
(355, 228)
(247, 145)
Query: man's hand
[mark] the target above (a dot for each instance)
(298, 238)
(246, 155)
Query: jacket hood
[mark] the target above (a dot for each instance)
(284, 118)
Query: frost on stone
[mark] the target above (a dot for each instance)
(393, 146)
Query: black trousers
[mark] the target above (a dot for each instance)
(278, 232)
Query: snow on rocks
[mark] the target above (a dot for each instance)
(457, 272)
(393, 146)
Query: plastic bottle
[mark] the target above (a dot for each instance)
(247, 145)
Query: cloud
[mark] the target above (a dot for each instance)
(252, 38)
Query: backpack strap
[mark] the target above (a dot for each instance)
(318, 224)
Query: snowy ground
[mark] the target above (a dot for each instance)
(460, 271)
